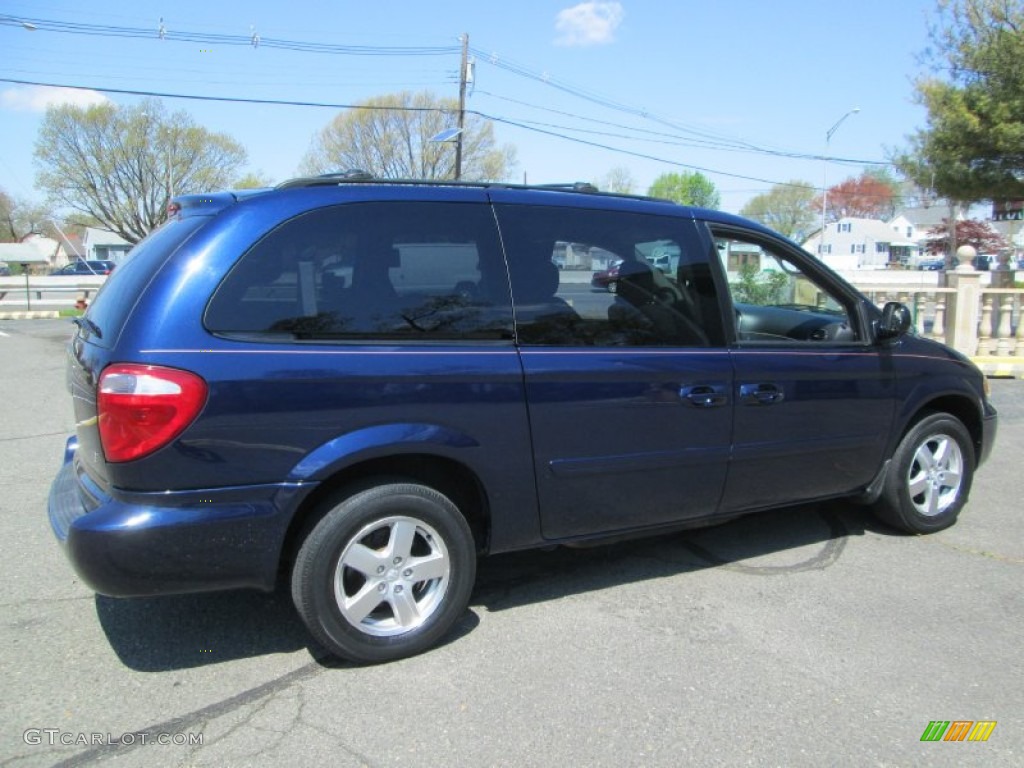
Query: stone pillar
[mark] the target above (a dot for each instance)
(962, 311)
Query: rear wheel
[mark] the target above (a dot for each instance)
(385, 573)
(930, 477)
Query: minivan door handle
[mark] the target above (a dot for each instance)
(704, 395)
(764, 393)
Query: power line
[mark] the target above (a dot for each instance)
(231, 99)
(369, 107)
(603, 101)
(253, 40)
(641, 155)
(703, 138)
(678, 142)
(693, 137)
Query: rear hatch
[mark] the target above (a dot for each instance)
(92, 347)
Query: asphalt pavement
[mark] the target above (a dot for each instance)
(805, 637)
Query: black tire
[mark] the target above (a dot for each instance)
(406, 552)
(929, 479)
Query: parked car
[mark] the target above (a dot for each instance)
(5, 270)
(936, 265)
(607, 279)
(83, 267)
(245, 415)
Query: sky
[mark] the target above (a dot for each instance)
(743, 91)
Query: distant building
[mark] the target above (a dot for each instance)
(38, 252)
(1008, 221)
(915, 223)
(852, 243)
(105, 245)
(1008, 210)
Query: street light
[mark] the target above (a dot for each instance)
(451, 136)
(824, 177)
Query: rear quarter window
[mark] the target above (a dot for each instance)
(115, 300)
(425, 271)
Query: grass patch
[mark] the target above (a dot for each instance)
(72, 312)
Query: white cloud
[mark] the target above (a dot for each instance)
(36, 98)
(589, 23)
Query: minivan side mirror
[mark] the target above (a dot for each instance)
(896, 321)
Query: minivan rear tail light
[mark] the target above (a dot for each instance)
(142, 408)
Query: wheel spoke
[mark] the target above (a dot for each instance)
(918, 484)
(364, 559)
(403, 532)
(924, 457)
(942, 453)
(433, 566)
(932, 498)
(407, 613)
(359, 607)
(952, 479)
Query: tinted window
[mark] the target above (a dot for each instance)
(412, 270)
(115, 300)
(608, 279)
(775, 299)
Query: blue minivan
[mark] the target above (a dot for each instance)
(361, 386)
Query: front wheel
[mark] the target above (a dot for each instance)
(385, 573)
(930, 477)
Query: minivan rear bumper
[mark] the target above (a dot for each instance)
(137, 544)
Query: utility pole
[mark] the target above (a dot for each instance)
(463, 66)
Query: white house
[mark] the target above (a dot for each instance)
(104, 245)
(852, 243)
(39, 252)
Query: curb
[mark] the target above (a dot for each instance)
(34, 315)
(1000, 367)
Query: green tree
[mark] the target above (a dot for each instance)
(687, 189)
(120, 165)
(757, 287)
(252, 180)
(786, 208)
(973, 146)
(390, 137)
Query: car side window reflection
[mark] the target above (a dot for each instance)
(372, 270)
(608, 279)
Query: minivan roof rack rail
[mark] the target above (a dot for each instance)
(360, 176)
(573, 186)
(353, 174)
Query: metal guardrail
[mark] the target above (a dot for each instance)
(27, 286)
